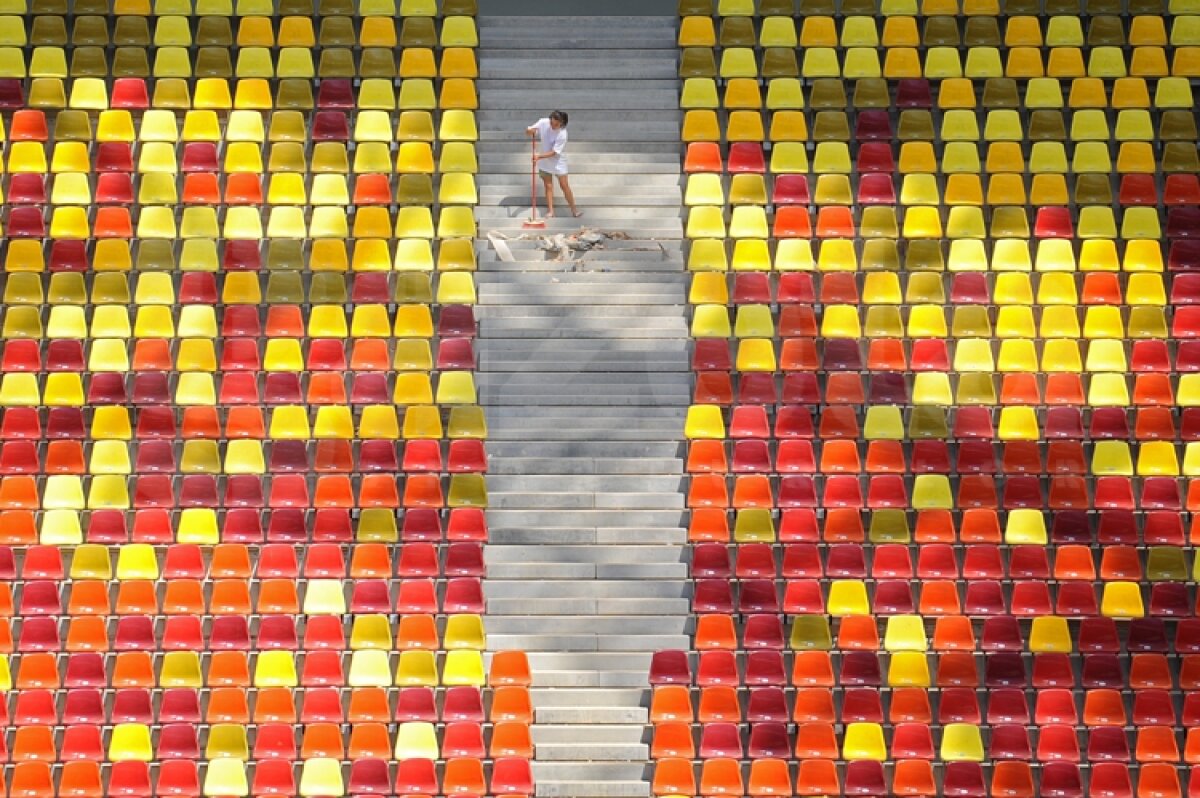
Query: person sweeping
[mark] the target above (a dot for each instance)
(551, 160)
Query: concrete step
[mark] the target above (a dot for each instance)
(567, 697)
(573, 356)
(531, 389)
(580, 182)
(562, 734)
(537, 251)
(513, 198)
(521, 536)
(498, 483)
(497, 41)
(656, 64)
(541, 519)
(542, 500)
(602, 216)
(597, 555)
(548, 570)
(606, 25)
(566, 661)
(578, 292)
(574, 466)
(555, 788)
(570, 752)
(587, 716)
(627, 267)
(586, 119)
(666, 132)
(633, 625)
(589, 606)
(590, 678)
(599, 589)
(615, 313)
(658, 418)
(581, 329)
(650, 258)
(618, 313)
(587, 641)
(531, 242)
(600, 94)
(634, 283)
(567, 451)
(512, 165)
(588, 771)
(648, 232)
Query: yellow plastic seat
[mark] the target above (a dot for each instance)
(456, 222)
(130, 742)
(747, 126)
(961, 742)
(864, 741)
(227, 741)
(92, 562)
(115, 126)
(1122, 600)
(465, 631)
(1106, 62)
(1050, 634)
(416, 741)
(158, 125)
(777, 31)
(740, 93)
(463, 668)
(847, 597)
(755, 354)
(699, 93)
(1173, 92)
(275, 669)
(905, 633)
(697, 31)
(704, 189)
(1157, 459)
(456, 93)
(820, 62)
(706, 222)
(703, 421)
(1025, 527)
(749, 222)
(1112, 458)
(791, 157)
(909, 669)
(754, 321)
(226, 777)
(377, 93)
(418, 62)
(459, 31)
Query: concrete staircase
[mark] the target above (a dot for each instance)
(583, 371)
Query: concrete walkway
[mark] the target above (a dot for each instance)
(583, 371)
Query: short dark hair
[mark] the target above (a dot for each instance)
(560, 117)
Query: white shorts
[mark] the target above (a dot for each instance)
(559, 167)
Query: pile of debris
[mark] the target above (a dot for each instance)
(566, 246)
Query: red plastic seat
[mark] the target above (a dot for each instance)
(670, 667)
(746, 156)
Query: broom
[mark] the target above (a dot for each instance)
(533, 222)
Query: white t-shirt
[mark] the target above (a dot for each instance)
(551, 140)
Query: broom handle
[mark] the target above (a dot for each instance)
(533, 180)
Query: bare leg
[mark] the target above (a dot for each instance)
(570, 195)
(548, 184)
